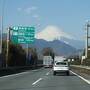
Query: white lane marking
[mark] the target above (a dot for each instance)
(35, 70)
(37, 81)
(48, 73)
(16, 74)
(87, 81)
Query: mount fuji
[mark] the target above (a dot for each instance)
(51, 33)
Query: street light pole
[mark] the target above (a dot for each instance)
(86, 50)
(87, 39)
(1, 36)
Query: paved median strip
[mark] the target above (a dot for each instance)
(87, 81)
(37, 81)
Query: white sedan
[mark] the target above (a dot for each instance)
(59, 67)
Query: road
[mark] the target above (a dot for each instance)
(42, 79)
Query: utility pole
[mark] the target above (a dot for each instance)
(87, 39)
(1, 33)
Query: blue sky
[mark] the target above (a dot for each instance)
(70, 15)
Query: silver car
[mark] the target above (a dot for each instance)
(59, 67)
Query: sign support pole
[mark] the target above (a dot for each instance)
(7, 52)
(27, 54)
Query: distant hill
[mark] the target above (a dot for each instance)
(59, 47)
(51, 33)
(79, 44)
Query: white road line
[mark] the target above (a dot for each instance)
(35, 70)
(87, 81)
(16, 74)
(48, 73)
(37, 81)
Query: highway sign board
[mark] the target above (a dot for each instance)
(23, 35)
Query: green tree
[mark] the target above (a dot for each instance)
(34, 56)
(16, 55)
(48, 51)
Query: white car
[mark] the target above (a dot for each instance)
(59, 67)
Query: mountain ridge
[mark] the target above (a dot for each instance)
(60, 48)
(51, 33)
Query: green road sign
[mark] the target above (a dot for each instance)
(23, 35)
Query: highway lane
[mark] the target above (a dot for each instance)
(42, 79)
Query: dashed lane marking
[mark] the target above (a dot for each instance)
(37, 81)
(48, 73)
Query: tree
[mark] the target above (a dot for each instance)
(16, 55)
(3, 55)
(48, 51)
(34, 57)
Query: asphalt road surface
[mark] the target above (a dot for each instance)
(43, 79)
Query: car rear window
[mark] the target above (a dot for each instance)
(61, 63)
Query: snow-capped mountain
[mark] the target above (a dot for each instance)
(51, 33)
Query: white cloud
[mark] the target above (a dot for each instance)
(27, 10)
(33, 8)
(51, 33)
(36, 16)
(30, 9)
(19, 9)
